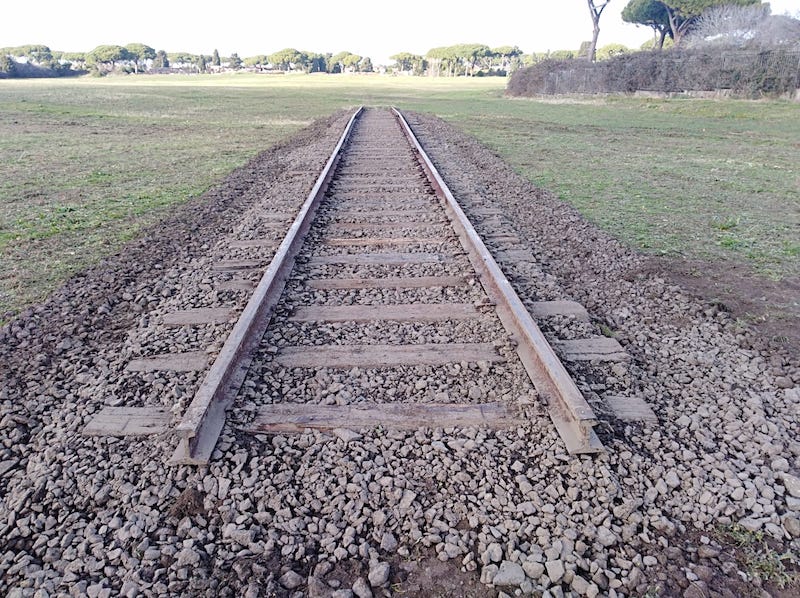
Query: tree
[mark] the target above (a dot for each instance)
(653, 14)
(215, 58)
(181, 59)
(351, 62)
(200, 63)
(64, 62)
(612, 51)
(456, 60)
(651, 44)
(74, 56)
(562, 55)
(341, 62)
(7, 65)
(107, 55)
(779, 30)
(35, 53)
(259, 61)
(510, 57)
(596, 11)
(402, 61)
(316, 63)
(744, 27)
(469, 55)
(161, 61)
(683, 14)
(138, 53)
(235, 62)
(365, 65)
(533, 58)
(407, 62)
(286, 59)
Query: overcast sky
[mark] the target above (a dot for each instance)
(370, 28)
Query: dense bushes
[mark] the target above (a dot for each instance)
(10, 69)
(744, 73)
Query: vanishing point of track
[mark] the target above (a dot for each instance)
(380, 218)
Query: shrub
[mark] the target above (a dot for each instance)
(745, 73)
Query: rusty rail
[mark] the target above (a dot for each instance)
(202, 422)
(204, 419)
(571, 414)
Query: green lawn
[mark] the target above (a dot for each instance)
(86, 163)
(696, 178)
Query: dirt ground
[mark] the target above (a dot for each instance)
(772, 308)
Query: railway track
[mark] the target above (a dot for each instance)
(380, 309)
(382, 286)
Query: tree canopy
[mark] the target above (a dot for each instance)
(108, 54)
(37, 53)
(683, 13)
(344, 61)
(694, 8)
(74, 56)
(287, 59)
(753, 27)
(7, 66)
(653, 14)
(161, 61)
(138, 53)
(185, 58)
(409, 63)
(612, 51)
(454, 60)
(259, 60)
(316, 63)
(672, 17)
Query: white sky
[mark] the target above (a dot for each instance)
(370, 28)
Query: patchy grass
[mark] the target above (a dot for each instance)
(758, 557)
(84, 164)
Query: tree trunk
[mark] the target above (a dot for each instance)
(661, 38)
(678, 29)
(595, 12)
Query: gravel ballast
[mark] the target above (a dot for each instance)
(374, 512)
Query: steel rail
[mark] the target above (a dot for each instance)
(203, 420)
(572, 416)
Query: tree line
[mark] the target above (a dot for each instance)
(443, 61)
(461, 59)
(672, 21)
(668, 18)
(138, 58)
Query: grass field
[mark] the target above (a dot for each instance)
(84, 164)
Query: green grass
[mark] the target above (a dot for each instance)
(84, 164)
(701, 179)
